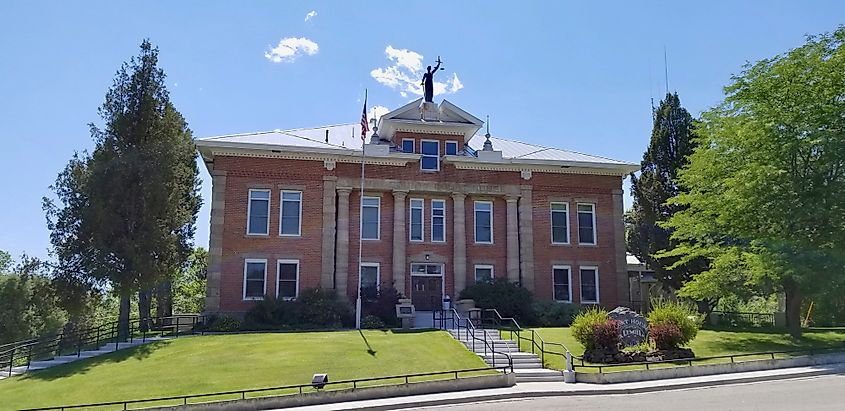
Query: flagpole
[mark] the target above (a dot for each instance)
(361, 218)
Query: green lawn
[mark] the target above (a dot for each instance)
(708, 343)
(230, 362)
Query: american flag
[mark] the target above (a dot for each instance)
(365, 125)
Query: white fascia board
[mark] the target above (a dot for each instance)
(621, 169)
(206, 148)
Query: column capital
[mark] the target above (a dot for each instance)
(511, 198)
(344, 191)
(458, 196)
(400, 193)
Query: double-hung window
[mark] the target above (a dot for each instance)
(560, 223)
(451, 148)
(369, 276)
(438, 221)
(484, 222)
(416, 219)
(287, 285)
(587, 224)
(589, 285)
(562, 283)
(408, 145)
(483, 273)
(255, 275)
(430, 160)
(370, 216)
(258, 212)
(291, 213)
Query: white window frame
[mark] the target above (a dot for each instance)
(483, 267)
(446, 148)
(437, 156)
(378, 273)
(581, 285)
(413, 145)
(249, 209)
(441, 274)
(246, 264)
(411, 209)
(578, 219)
(569, 283)
(475, 221)
(443, 202)
(281, 208)
(361, 218)
(552, 224)
(280, 262)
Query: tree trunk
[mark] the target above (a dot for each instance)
(794, 299)
(123, 315)
(164, 299)
(144, 309)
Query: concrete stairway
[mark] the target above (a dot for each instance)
(526, 366)
(64, 359)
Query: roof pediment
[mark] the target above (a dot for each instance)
(429, 118)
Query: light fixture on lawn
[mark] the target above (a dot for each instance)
(319, 381)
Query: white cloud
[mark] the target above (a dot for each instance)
(311, 14)
(290, 48)
(377, 111)
(406, 72)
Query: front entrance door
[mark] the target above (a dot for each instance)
(426, 292)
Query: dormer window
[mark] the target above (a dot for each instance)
(407, 145)
(430, 160)
(451, 148)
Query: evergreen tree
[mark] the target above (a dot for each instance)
(128, 209)
(671, 143)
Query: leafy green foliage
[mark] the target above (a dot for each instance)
(506, 297)
(766, 183)
(315, 308)
(671, 142)
(28, 302)
(585, 324)
(554, 314)
(665, 336)
(382, 304)
(189, 284)
(224, 323)
(372, 322)
(126, 212)
(683, 316)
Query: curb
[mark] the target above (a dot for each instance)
(607, 391)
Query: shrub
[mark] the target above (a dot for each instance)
(382, 304)
(554, 314)
(683, 316)
(584, 325)
(371, 322)
(320, 308)
(606, 335)
(508, 298)
(665, 336)
(224, 323)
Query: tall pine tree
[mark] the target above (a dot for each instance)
(129, 211)
(671, 143)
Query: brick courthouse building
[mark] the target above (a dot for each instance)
(443, 207)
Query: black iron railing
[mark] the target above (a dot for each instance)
(245, 394)
(689, 362)
(18, 356)
(492, 319)
(450, 319)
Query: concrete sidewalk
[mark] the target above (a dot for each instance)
(559, 389)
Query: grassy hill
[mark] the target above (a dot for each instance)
(229, 362)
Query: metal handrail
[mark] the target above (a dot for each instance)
(535, 336)
(732, 357)
(22, 353)
(466, 323)
(243, 393)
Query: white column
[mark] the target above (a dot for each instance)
(399, 241)
(512, 239)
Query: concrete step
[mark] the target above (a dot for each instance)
(526, 365)
(551, 378)
(515, 355)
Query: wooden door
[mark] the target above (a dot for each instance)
(426, 293)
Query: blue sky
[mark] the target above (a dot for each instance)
(575, 75)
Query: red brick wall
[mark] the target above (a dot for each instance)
(244, 173)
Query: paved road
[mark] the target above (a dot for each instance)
(815, 393)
